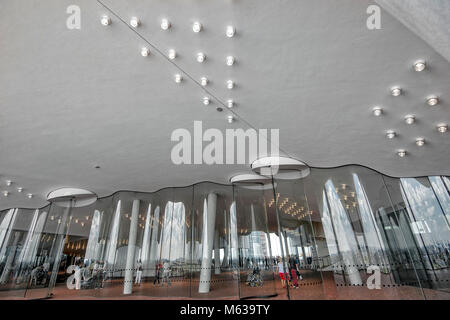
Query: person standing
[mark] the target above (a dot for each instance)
(166, 275)
(293, 269)
(157, 273)
(138, 272)
(281, 272)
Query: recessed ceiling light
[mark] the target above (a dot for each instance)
(30, 195)
(165, 24)
(5, 193)
(135, 22)
(377, 111)
(230, 119)
(203, 81)
(230, 103)
(390, 134)
(105, 20)
(401, 153)
(396, 91)
(8, 182)
(420, 141)
(178, 78)
(201, 57)
(172, 54)
(145, 52)
(230, 60)
(19, 189)
(442, 127)
(230, 84)
(419, 65)
(206, 101)
(410, 119)
(432, 101)
(197, 27)
(230, 31)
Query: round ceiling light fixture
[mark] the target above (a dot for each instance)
(203, 81)
(377, 111)
(165, 24)
(442, 127)
(230, 31)
(8, 182)
(280, 167)
(230, 61)
(29, 195)
(390, 134)
(105, 20)
(230, 103)
(410, 119)
(401, 153)
(230, 84)
(230, 119)
(197, 27)
(5, 193)
(396, 91)
(71, 197)
(135, 22)
(420, 142)
(432, 101)
(172, 54)
(419, 65)
(19, 189)
(178, 78)
(206, 101)
(201, 57)
(252, 181)
(145, 52)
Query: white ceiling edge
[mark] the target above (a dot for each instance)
(430, 20)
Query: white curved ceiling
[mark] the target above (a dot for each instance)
(74, 99)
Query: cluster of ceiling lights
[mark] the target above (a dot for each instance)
(410, 118)
(9, 184)
(293, 209)
(347, 196)
(201, 57)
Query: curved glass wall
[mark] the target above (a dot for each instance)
(342, 233)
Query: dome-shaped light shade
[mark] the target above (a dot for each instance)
(165, 24)
(396, 91)
(206, 101)
(201, 57)
(420, 142)
(410, 119)
(172, 54)
(419, 66)
(390, 134)
(230, 103)
(377, 111)
(442, 127)
(432, 101)
(280, 167)
(135, 22)
(230, 60)
(145, 52)
(230, 31)
(203, 81)
(401, 153)
(197, 27)
(105, 20)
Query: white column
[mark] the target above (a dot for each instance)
(128, 281)
(234, 239)
(207, 243)
(217, 253)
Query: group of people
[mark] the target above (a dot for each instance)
(292, 272)
(162, 273)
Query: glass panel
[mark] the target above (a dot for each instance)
(255, 253)
(213, 209)
(431, 229)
